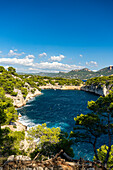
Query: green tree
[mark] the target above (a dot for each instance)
(50, 140)
(12, 70)
(7, 110)
(10, 142)
(91, 126)
(102, 152)
(104, 108)
(88, 128)
(2, 69)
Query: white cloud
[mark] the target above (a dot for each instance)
(92, 63)
(0, 52)
(43, 55)
(53, 67)
(81, 55)
(13, 53)
(57, 58)
(24, 61)
(28, 63)
(30, 56)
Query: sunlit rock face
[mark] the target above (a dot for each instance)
(100, 90)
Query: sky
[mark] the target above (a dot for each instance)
(56, 35)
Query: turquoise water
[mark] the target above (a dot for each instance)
(58, 108)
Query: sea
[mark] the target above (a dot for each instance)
(57, 108)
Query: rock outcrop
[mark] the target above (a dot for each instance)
(100, 90)
(19, 101)
(16, 126)
(18, 157)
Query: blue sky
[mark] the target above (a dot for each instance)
(56, 35)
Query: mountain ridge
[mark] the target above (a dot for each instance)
(82, 74)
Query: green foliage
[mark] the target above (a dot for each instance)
(2, 69)
(45, 134)
(102, 152)
(7, 110)
(10, 142)
(35, 80)
(17, 137)
(14, 93)
(100, 81)
(12, 70)
(24, 91)
(33, 91)
(51, 141)
(90, 127)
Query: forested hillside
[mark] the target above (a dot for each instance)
(42, 142)
(81, 74)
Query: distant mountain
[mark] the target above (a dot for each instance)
(81, 74)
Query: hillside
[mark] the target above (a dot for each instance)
(16, 88)
(81, 74)
(21, 88)
(41, 142)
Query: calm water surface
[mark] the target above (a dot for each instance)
(58, 108)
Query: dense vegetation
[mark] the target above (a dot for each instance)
(10, 81)
(36, 81)
(51, 141)
(9, 140)
(88, 128)
(91, 127)
(104, 80)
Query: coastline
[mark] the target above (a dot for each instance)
(19, 100)
(92, 89)
(103, 91)
(59, 87)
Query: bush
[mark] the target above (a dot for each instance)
(33, 91)
(24, 91)
(14, 93)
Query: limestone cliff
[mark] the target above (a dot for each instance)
(100, 90)
(19, 100)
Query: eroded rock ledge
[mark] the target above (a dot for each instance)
(100, 90)
(19, 100)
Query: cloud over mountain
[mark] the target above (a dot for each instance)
(57, 58)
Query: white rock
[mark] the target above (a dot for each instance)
(18, 157)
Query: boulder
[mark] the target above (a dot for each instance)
(18, 157)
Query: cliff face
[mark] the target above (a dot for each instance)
(19, 100)
(100, 90)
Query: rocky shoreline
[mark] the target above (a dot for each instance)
(59, 87)
(99, 90)
(19, 101)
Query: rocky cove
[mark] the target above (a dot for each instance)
(99, 90)
(20, 101)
